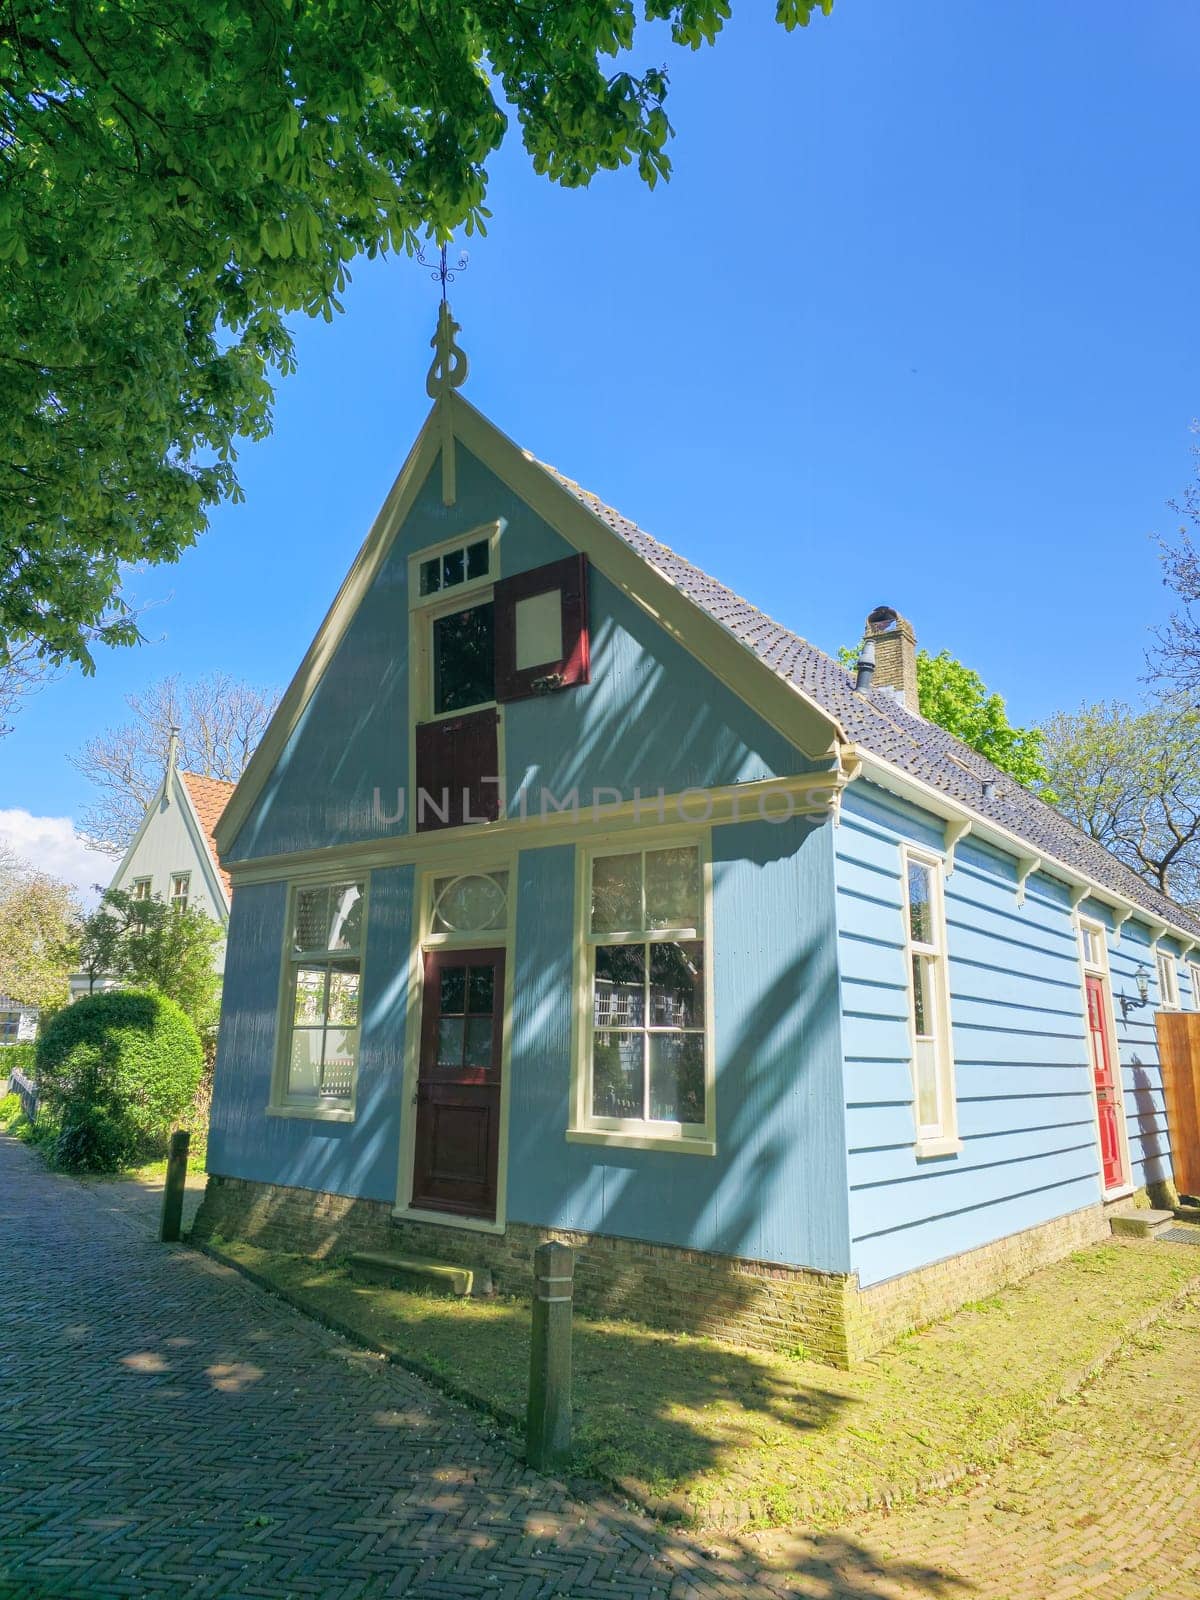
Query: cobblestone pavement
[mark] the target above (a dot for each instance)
(166, 1429)
(1106, 1506)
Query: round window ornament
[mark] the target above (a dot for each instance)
(475, 902)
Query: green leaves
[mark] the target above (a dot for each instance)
(177, 177)
(957, 699)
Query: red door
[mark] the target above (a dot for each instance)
(458, 1084)
(1104, 1073)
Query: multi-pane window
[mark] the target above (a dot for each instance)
(321, 1012)
(1168, 982)
(179, 890)
(647, 1050)
(1194, 974)
(933, 1067)
(454, 567)
(10, 1025)
(141, 888)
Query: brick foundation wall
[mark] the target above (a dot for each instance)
(886, 1310)
(685, 1291)
(753, 1303)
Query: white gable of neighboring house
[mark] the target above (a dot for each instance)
(171, 844)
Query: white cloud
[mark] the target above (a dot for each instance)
(52, 845)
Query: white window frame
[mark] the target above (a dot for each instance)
(181, 902)
(942, 1139)
(471, 939)
(488, 532)
(423, 612)
(1166, 966)
(331, 1109)
(137, 885)
(1194, 975)
(638, 1133)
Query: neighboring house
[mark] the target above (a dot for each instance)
(803, 1022)
(174, 855)
(18, 1024)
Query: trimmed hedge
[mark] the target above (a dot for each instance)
(117, 1070)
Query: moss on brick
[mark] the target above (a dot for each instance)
(735, 1437)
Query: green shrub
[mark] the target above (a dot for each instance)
(10, 1109)
(19, 1057)
(116, 1071)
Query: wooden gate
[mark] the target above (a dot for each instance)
(1179, 1052)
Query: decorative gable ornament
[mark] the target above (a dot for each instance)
(447, 372)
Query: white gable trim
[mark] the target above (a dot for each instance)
(138, 836)
(196, 832)
(811, 729)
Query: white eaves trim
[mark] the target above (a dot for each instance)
(812, 730)
(952, 811)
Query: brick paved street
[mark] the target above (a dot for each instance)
(167, 1429)
(1106, 1506)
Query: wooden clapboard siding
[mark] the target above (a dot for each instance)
(352, 1158)
(1179, 1044)
(1025, 1107)
(352, 736)
(776, 1188)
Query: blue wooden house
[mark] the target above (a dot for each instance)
(574, 896)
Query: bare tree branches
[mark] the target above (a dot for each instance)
(1131, 779)
(1176, 659)
(220, 722)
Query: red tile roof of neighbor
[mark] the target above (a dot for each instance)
(210, 796)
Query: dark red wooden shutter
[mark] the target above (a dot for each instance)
(518, 678)
(454, 757)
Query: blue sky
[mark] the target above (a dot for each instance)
(914, 323)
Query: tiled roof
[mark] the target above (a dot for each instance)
(879, 723)
(210, 796)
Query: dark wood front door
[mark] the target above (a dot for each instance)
(458, 1085)
(1104, 1074)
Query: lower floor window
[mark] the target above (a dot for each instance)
(321, 1015)
(646, 1051)
(648, 1032)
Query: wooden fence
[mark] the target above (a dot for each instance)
(1179, 1052)
(19, 1084)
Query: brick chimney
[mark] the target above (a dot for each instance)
(895, 655)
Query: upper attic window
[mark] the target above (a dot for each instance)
(454, 567)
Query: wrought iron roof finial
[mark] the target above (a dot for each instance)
(442, 273)
(449, 367)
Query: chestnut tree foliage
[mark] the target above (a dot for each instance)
(177, 177)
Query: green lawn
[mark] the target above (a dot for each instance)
(729, 1437)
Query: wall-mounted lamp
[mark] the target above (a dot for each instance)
(1142, 978)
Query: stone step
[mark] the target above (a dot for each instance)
(1142, 1224)
(421, 1272)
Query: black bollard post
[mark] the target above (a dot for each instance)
(548, 1421)
(172, 1206)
